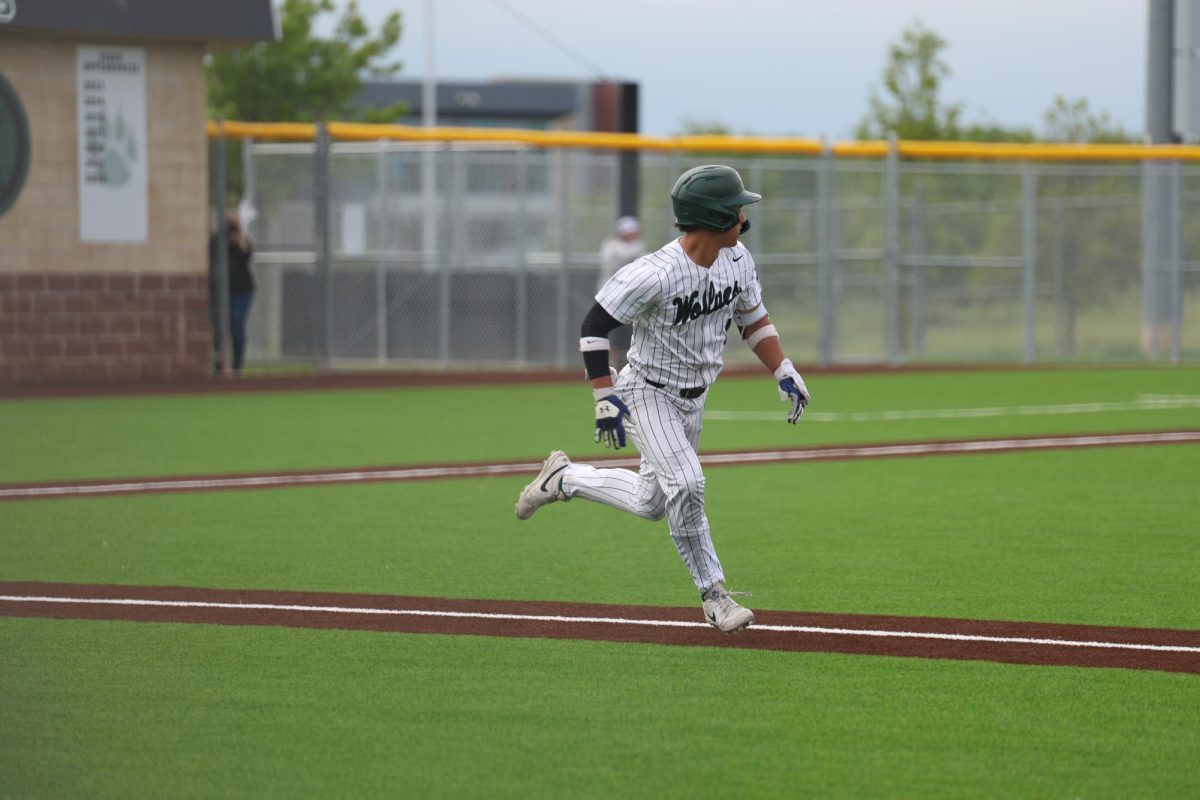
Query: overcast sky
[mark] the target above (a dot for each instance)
(793, 67)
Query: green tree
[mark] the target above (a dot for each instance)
(692, 127)
(911, 105)
(304, 77)
(1072, 120)
(995, 132)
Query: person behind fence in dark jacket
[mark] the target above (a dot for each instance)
(241, 291)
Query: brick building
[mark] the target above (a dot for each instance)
(104, 184)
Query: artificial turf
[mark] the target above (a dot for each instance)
(152, 710)
(50, 439)
(108, 709)
(1101, 536)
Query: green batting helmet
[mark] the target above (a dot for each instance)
(705, 196)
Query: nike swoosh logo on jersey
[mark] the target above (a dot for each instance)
(738, 258)
(551, 476)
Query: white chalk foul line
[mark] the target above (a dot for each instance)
(931, 448)
(1145, 402)
(659, 623)
(252, 481)
(527, 468)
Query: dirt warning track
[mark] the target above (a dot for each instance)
(1047, 644)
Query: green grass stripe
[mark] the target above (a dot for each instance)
(145, 710)
(1102, 536)
(146, 436)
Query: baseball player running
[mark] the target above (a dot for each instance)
(680, 301)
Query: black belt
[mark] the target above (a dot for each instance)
(687, 394)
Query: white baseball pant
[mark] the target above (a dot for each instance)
(665, 428)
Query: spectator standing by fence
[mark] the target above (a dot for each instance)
(241, 290)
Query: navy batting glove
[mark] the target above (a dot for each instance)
(799, 400)
(610, 421)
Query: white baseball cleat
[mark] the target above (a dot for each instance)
(722, 612)
(546, 487)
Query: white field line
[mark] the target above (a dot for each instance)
(528, 468)
(1144, 402)
(931, 448)
(252, 481)
(657, 623)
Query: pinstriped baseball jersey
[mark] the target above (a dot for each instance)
(681, 312)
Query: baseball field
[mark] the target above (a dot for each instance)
(967, 584)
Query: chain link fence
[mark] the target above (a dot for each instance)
(455, 254)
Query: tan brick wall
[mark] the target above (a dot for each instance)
(93, 326)
(39, 236)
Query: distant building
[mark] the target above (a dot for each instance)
(533, 104)
(103, 245)
(602, 106)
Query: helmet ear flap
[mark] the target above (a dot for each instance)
(721, 222)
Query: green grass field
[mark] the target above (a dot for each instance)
(1098, 536)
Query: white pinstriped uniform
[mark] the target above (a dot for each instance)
(680, 313)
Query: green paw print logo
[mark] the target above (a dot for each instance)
(120, 151)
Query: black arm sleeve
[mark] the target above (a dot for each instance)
(599, 323)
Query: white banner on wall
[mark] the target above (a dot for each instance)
(113, 169)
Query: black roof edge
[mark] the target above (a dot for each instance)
(220, 23)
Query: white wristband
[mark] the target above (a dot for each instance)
(589, 343)
(765, 332)
(785, 369)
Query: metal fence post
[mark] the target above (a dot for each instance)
(917, 249)
(1152, 234)
(430, 152)
(826, 250)
(321, 192)
(1029, 253)
(381, 304)
(1061, 318)
(224, 353)
(269, 306)
(757, 231)
(615, 178)
(1176, 256)
(521, 255)
(564, 235)
(891, 251)
(456, 224)
(249, 181)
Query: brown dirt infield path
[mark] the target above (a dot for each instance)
(1043, 644)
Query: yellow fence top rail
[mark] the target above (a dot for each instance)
(763, 145)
